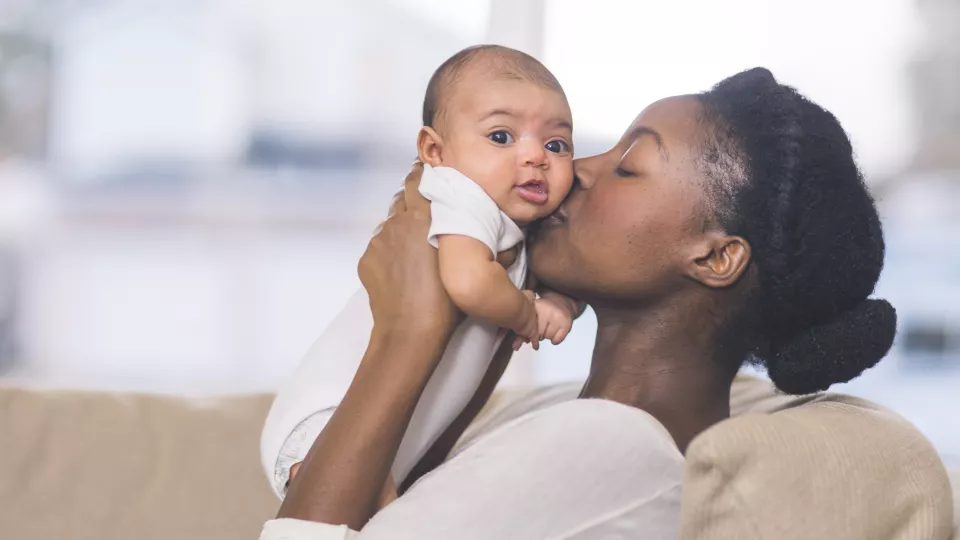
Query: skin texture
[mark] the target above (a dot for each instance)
(631, 239)
(503, 133)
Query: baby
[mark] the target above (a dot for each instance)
(497, 153)
(497, 148)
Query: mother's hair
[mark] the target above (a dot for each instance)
(781, 174)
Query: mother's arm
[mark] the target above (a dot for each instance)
(342, 476)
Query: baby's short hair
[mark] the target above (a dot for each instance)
(504, 63)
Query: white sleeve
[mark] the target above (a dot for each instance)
(295, 529)
(459, 206)
(576, 470)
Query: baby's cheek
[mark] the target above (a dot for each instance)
(557, 196)
(564, 181)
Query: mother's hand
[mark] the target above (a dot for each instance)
(401, 274)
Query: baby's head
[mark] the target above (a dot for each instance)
(500, 117)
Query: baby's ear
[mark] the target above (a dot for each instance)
(430, 147)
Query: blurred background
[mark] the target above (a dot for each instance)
(186, 185)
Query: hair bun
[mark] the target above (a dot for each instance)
(835, 352)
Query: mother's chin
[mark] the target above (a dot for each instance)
(549, 254)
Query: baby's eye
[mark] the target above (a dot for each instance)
(500, 137)
(558, 147)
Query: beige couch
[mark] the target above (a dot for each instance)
(78, 465)
(826, 466)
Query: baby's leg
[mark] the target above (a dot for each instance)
(305, 404)
(452, 385)
(308, 399)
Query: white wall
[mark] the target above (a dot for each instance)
(138, 82)
(183, 309)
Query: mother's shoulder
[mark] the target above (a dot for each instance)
(554, 414)
(749, 394)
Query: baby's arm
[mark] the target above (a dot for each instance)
(480, 287)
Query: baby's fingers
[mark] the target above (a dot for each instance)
(559, 336)
(545, 328)
(533, 338)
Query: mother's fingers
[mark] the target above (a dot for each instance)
(397, 204)
(411, 189)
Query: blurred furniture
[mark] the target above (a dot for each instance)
(784, 466)
(84, 465)
(87, 465)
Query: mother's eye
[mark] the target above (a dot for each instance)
(623, 173)
(500, 137)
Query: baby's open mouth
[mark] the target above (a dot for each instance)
(533, 191)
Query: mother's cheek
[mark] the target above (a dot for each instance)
(547, 260)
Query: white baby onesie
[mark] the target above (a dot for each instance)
(305, 404)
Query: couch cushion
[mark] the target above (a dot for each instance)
(832, 467)
(79, 465)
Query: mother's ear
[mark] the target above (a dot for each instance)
(719, 260)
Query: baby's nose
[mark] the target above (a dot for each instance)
(533, 153)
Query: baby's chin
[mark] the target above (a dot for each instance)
(524, 217)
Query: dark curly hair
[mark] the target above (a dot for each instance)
(782, 175)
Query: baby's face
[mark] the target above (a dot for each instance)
(514, 138)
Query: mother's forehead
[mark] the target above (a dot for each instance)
(675, 119)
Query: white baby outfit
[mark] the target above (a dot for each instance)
(304, 406)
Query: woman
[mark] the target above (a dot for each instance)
(728, 226)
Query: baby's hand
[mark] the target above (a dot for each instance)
(554, 320)
(527, 329)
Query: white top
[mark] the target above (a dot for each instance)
(305, 404)
(579, 469)
(458, 205)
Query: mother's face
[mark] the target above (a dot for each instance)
(635, 218)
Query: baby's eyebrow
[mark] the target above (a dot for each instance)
(499, 112)
(561, 123)
(555, 122)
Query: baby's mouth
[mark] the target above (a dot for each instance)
(533, 191)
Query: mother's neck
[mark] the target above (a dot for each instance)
(665, 362)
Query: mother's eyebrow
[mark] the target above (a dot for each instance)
(640, 131)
